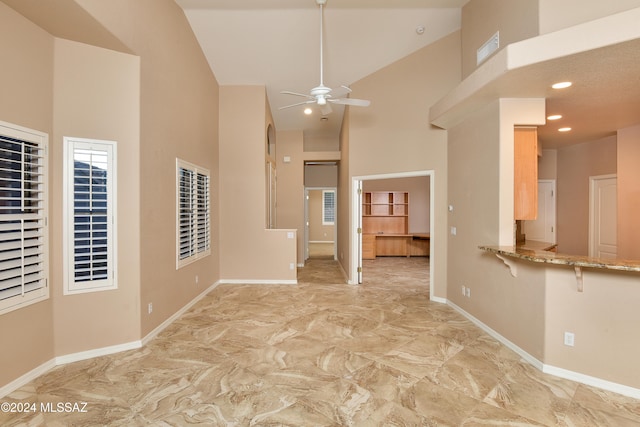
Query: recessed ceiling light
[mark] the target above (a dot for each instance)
(554, 117)
(324, 119)
(561, 85)
(308, 111)
(420, 30)
(564, 129)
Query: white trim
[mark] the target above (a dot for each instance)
(198, 254)
(42, 140)
(103, 351)
(96, 352)
(526, 356)
(27, 378)
(70, 286)
(592, 381)
(549, 369)
(355, 251)
(439, 300)
(258, 282)
(151, 335)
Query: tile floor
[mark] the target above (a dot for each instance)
(320, 353)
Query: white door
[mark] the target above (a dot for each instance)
(543, 229)
(603, 224)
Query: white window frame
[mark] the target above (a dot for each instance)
(193, 213)
(24, 236)
(104, 151)
(325, 209)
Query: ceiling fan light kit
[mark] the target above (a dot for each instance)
(321, 95)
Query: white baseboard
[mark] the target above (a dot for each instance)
(258, 282)
(151, 335)
(27, 378)
(526, 356)
(97, 352)
(549, 369)
(592, 381)
(439, 300)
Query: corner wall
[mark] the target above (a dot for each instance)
(248, 251)
(385, 139)
(93, 89)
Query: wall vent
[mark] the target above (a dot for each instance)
(488, 48)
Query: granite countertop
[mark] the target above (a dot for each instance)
(538, 255)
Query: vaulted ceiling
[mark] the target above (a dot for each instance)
(277, 44)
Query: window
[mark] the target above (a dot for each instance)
(90, 220)
(328, 207)
(23, 217)
(193, 235)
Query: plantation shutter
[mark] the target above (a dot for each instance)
(186, 218)
(193, 213)
(328, 207)
(90, 199)
(202, 219)
(22, 217)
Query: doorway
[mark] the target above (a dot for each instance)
(356, 264)
(320, 223)
(543, 229)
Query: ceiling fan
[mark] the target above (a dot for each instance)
(322, 95)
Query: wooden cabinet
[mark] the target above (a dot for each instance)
(525, 197)
(385, 224)
(385, 212)
(368, 246)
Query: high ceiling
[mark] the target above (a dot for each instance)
(276, 43)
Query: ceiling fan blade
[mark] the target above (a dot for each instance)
(325, 109)
(340, 92)
(312, 101)
(286, 92)
(351, 101)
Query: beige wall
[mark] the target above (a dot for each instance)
(480, 184)
(602, 319)
(248, 251)
(321, 175)
(27, 100)
(548, 164)
(419, 198)
(93, 89)
(158, 105)
(515, 19)
(178, 119)
(576, 164)
(628, 158)
(290, 211)
(386, 139)
(558, 14)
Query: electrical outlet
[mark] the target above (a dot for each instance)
(150, 308)
(292, 266)
(569, 339)
(196, 279)
(468, 290)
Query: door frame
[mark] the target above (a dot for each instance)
(356, 219)
(306, 221)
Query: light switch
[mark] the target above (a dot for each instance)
(453, 231)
